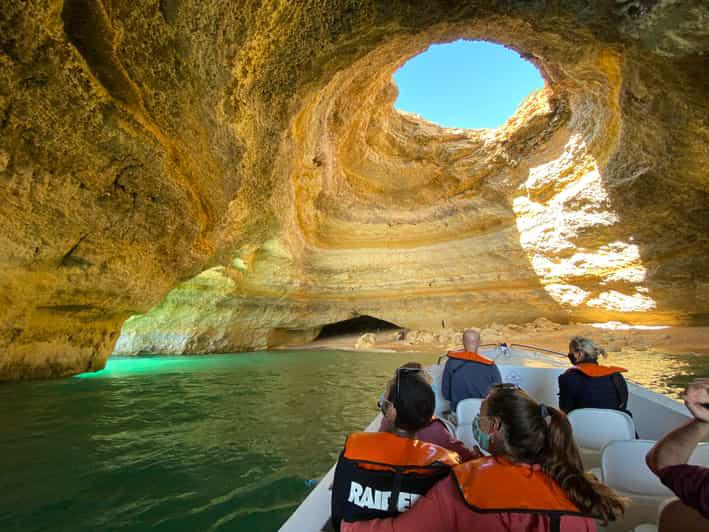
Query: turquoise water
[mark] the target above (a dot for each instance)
(207, 443)
(224, 442)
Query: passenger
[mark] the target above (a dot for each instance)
(534, 480)
(436, 430)
(380, 474)
(668, 458)
(468, 374)
(589, 384)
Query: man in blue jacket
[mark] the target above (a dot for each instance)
(468, 374)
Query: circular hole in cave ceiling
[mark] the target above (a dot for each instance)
(466, 84)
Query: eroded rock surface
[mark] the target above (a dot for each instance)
(144, 142)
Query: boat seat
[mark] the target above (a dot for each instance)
(595, 427)
(466, 410)
(465, 413)
(442, 404)
(623, 468)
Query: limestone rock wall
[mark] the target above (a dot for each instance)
(142, 143)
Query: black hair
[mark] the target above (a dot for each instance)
(415, 401)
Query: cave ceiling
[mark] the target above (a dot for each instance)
(233, 175)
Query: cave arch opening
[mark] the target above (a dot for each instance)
(470, 84)
(358, 325)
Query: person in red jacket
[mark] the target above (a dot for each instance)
(435, 431)
(380, 474)
(533, 480)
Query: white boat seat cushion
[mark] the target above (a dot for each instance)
(595, 427)
(624, 469)
(442, 404)
(465, 434)
(465, 413)
(700, 456)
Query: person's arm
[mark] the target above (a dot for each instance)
(446, 382)
(621, 388)
(437, 433)
(492, 377)
(566, 401)
(496, 377)
(690, 483)
(677, 446)
(433, 511)
(460, 448)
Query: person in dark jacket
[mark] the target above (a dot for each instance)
(589, 384)
(468, 374)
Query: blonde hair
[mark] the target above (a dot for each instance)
(589, 349)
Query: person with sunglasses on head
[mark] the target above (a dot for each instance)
(589, 384)
(533, 480)
(468, 374)
(380, 474)
(436, 430)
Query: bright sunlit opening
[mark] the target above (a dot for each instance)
(466, 84)
(620, 326)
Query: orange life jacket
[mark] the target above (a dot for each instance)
(470, 357)
(497, 485)
(380, 474)
(385, 451)
(596, 370)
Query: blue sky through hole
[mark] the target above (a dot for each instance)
(468, 84)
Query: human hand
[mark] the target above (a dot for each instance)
(696, 399)
(476, 450)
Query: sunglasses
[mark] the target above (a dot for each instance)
(382, 400)
(506, 386)
(399, 371)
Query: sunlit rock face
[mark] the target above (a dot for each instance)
(144, 142)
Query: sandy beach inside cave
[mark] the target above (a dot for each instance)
(614, 337)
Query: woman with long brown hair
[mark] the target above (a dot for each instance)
(533, 480)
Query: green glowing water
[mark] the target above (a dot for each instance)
(224, 442)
